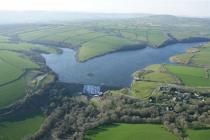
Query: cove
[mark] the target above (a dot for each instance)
(112, 69)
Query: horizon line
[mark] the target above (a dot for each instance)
(97, 12)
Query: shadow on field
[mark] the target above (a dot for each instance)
(2, 125)
(20, 117)
(99, 129)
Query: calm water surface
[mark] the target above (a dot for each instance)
(112, 69)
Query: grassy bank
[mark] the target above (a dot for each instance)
(14, 66)
(18, 129)
(130, 131)
(100, 37)
(190, 76)
(101, 46)
(199, 58)
(199, 134)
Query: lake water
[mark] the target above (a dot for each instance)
(113, 69)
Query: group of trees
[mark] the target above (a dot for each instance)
(70, 115)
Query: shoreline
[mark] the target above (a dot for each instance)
(122, 50)
(136, 47)
(187, 40)
(174, 59)
(125, 48)
(37, 58)
(165, 44)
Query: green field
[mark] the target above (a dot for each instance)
(156, 37)
(13, 69)
(183, 58)
(129, 35)
(130, 132)
(87, 36)
(159, 77)
(12, 92)
(142, 89)
(12, 83)
(158, 73)
(26, 47)
(14, 80)
(17, 60)
(154, 67)
(18, 129)
(4, 39)
(101, 46)
(79, 40)
(199, 134)
(190, 76)
(199, 58)
(92, 39)
(7, 69)
(149, 79)
(202, 57)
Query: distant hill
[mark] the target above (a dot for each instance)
(14, 17)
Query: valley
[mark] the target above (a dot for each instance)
(160, 69)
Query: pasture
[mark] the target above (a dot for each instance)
(89, 36)
(145, 82)
(26, 47)
(190, 76)
(202, 57)
(101, 46)
(182, 58)
(156, 37)
(143, 89)
(13, 69)
(158, 73)
(20, 128)
(4, 39)
(159, 77)
(12, 92)
(198, 134)
(129, 132)
(199, 58)
(91, 39)
(7, 69)
(12, 83)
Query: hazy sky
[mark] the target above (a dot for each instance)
(175, 7)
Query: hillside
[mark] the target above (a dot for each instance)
(99, 37)
(172, 99)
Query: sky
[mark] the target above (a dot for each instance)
(197, 8)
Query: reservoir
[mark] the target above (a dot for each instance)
(112, 69)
